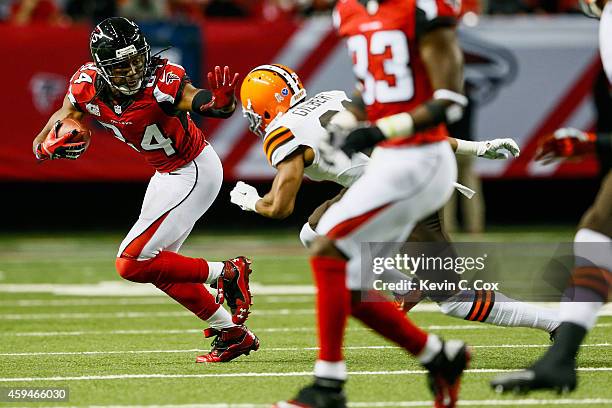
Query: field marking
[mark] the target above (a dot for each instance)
(281, 374)
(260, 330)
(157, 300)
(486, 403)
(382, 347)
(129, 289)
(126, 288)
(271, 296)
(387, 404)
(138, 315)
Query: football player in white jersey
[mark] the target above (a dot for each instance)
(591, 280)
(293, 141)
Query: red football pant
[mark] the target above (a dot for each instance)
(383, 317)
(166, 267)
(193, 296)
(180, 277)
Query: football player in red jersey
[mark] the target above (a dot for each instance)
(394, 80)
(407, 58)
(146, 102)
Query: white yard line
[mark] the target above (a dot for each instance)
(260, 330)
(274, 349)
(267, 374)
(387, 404)
(138, 315)
(141, 294)
(486, 403)
(156, 300)
(128, 289)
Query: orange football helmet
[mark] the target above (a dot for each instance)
(266, 92)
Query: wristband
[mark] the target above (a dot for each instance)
(204, 98)
(466, 147)
(397, 125)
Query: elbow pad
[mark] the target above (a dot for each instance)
(449, 113)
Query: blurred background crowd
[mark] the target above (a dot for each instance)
(69, 11)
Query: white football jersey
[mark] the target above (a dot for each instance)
(301, 126)
(605, 39)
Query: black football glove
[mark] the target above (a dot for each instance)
(362, 138)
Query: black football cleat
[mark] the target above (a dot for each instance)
(229, 344)
(444, 377)
(556, 370)
(233, 286)
(317, 396)
(543, 375)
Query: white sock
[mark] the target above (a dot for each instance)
(335, 370)
(505, 312)
(214, 271)
(591, 248)
(221, 319)
(581, 313)
(431, 349)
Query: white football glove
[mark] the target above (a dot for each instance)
(244, 196)
(489, 149)
(340, 125)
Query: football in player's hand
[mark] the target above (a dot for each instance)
(68, 139)
(71, 131)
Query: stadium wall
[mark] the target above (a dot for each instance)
(528, 75)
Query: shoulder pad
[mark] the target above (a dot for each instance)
(81, 87)
(169, 82)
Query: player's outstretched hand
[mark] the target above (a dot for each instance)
(494, 149)
(244, 196)
(564, 143)
(223, 87)
(362, 138)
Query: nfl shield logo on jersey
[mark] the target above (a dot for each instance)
(118, 109)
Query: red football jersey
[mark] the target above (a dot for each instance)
(384, 48)
(150, 123)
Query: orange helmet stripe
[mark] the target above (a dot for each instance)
(284, 74)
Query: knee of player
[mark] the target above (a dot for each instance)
(592, 249)
(129, 269)
(307, 235)
(323, 246)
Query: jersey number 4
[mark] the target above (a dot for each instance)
(152, 139)
(396, 65)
